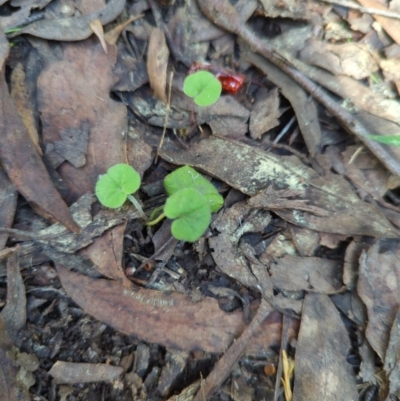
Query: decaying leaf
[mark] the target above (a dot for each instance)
(332, 206)
(265, 113)
(237, 260)
(15, 367)
(295, 273)
(351, 59)
(20, 96)
(378, 287)
(85, 86)
(14, 313)
(321, 369)
(391, 26)
(172, 320)
(79, 84)
(98, 30)
(8, 204)
(285, 9)
(8, 371)
(157, 63)
(73, 145)
(75, 28)
(392, 358)
(303, 105)
(21, 160)
(107, 254)
(57, 237)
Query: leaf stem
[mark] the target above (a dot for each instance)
(155, 221)
(137, 206)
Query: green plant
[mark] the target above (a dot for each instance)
(118, 184)
(203, 87)
(191, 201)
(387, 139)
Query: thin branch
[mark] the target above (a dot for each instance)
(171, 76)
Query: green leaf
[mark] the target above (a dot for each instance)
(387, 139)
(203, 87)
(190, 213)
(120, 181)
(187, 177)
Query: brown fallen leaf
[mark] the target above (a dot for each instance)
(87, 78)
(107, 254)
(295, 273)
(10, 391)
(321, 369)
(390, 25)
(98, 30)
(378, 287)
(72, 373)
(15, 367)
(60, 240)
(237, 260)
(75, 28)
(20, 96)
(248, 169)
(8, 204)
(392, 358)
(112, 35)
(285, 199)
(21, 161)
(157, 63)
(303, 105)
(172, 320)
(14, 313)
(84, 95)
(73, 145)
(350, 59)
(285, 9)
(265, 113)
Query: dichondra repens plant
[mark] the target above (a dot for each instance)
(191, 198)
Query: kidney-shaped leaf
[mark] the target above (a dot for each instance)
(191, 213)
(187, 177)
(120, 181)
(203, 87)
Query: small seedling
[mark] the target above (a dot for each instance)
(120, 182)
(203, 87)
(190, 212)
(188, 177)
(387, 139)
(192, 198)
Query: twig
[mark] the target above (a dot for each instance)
(224, 366)
(171, 76)
(284, 130)
(25, 235)
(366, 10)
